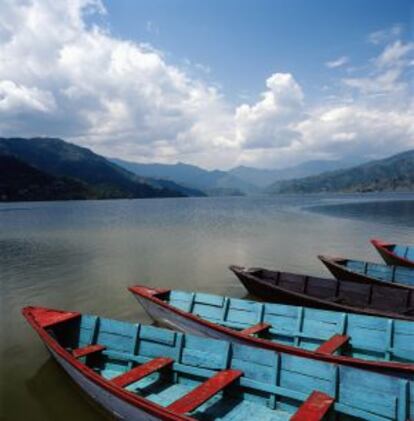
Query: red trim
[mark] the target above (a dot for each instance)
(129, 397)
(46, 317)
(142, 371)
(333, 344)
(87, 350)
(383, 249)
(205, 391)
(314, 408)
(263, 343)
(259, 328)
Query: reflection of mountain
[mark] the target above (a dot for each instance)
(101, 178)
(395, 173)
(56, 395)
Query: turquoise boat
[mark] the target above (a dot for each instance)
(361, 271)
(139, 372)
(395, 254)
(368, 342)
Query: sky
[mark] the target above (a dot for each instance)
(217, 83)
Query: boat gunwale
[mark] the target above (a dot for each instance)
(151, 294)
(131, 398)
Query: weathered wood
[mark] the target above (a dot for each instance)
(142, 371)
(257, 328)
(333, 344)
(314, 408)
(87, 350)
(205, 391)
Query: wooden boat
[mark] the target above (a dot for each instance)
(140, 372)
(331, 294)
(360, 271)
(362, 341)
(395, 254)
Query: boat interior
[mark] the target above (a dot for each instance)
(406, 252)
(209, 379)
(397, 274)
(353, 335)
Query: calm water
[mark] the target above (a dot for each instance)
(83, 255)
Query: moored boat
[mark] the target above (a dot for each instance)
(362, 341)
(395, 254)
(360, 271)
(140, 372)
(374, 299)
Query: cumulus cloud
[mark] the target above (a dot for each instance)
(340, 61)
(76, 80)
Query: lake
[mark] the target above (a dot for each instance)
(82, 256)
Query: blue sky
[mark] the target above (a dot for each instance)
(244, 41)
(215, 83)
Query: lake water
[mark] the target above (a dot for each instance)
(82, 256)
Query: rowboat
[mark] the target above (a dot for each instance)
(395, 254)
(360, 271)
(376, 299)
(361, 341)
(139, 372)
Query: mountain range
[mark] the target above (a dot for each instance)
(395, 173)
(90, 175)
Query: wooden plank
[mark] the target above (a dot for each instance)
(87, 350)
(142, 371)
(333, 344)
(204, 391)
(257, 328)
(314, 408)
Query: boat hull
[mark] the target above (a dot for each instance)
(389, 257)
(115, 406)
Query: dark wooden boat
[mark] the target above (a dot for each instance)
(139, 372)
(360, 271)
(369, 342)
(395, 254)
(331, 294)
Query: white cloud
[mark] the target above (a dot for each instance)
(385, 35)
(75, 80)
(340, 61)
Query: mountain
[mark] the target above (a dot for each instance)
(395, 173)
(265, 177)
(191, 176)
(21, 182)
(62, 159)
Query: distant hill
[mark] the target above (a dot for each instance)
(62, 159)
(395, 173)
(21, 182)
(265, 177)
(191, 176)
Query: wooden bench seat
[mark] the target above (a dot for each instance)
(333, 344)
(87, 350)
(314, 408)
(142, 371)
(204, 391)
(258, 328)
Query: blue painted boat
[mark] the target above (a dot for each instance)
(367, 272)
(395, 254)
(368, 342)
(140, 372)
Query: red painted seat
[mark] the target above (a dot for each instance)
(87, 350)
(142, 371)
(314, 408)
(333, 344)
(204, 391)
(258, 328)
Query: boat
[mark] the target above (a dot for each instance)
(331, 294)
(395, 254)
(360, 271)
(139, 372)
(368, 342)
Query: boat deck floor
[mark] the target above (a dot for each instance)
(230, 409)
